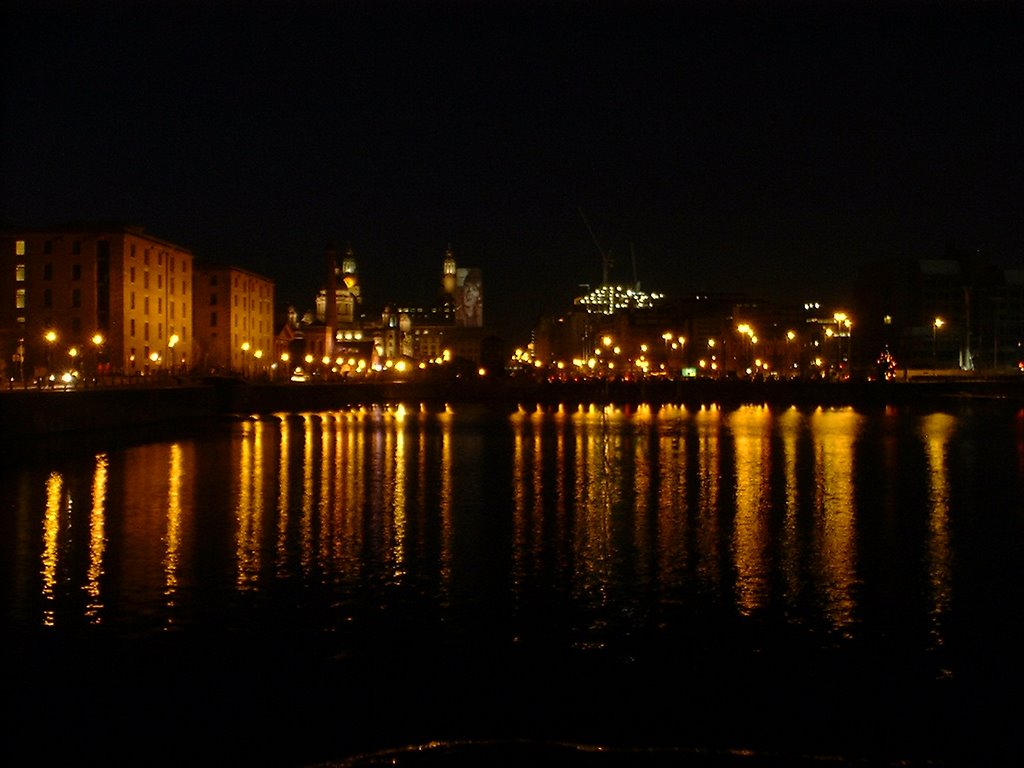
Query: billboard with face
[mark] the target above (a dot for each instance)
(469, 298)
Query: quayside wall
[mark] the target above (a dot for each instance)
(249, 399)
(32, 412)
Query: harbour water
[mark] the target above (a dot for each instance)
(491, 585)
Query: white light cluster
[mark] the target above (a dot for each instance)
(609, 299)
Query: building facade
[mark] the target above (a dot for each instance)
(95, 299)
(959, 312)
(234, 321)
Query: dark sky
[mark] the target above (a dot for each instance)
(765, 147)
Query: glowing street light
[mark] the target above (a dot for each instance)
(939, 322)
(97, 343)
(171, 343)
(19, 358)
(245, 350)
(51, 339)
(842, 321)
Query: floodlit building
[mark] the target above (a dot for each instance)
(234, 321)
(94, 298)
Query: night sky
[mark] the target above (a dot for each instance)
(764, 147)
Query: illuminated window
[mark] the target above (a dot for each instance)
(19, 247)
(19, 272)
(19, 298)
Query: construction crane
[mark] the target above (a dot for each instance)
(606, 258)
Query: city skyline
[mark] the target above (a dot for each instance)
(770, 150)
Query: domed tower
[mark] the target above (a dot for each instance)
(448, 277)
(348, 268)
(351, 282)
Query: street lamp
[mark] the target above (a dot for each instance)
(841, 322)
(20, 357)
(939, 322)
(97, 342)
(171, 342)
(245, 349)
(745, 329)
(51, 339)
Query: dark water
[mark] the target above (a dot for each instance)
(750, 586)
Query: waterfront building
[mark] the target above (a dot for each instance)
(959, 312)
(348, 337)
(461, 298)
(450, 330)
(234, 321)
(92, 299)
(343, 282)
(712, 335)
